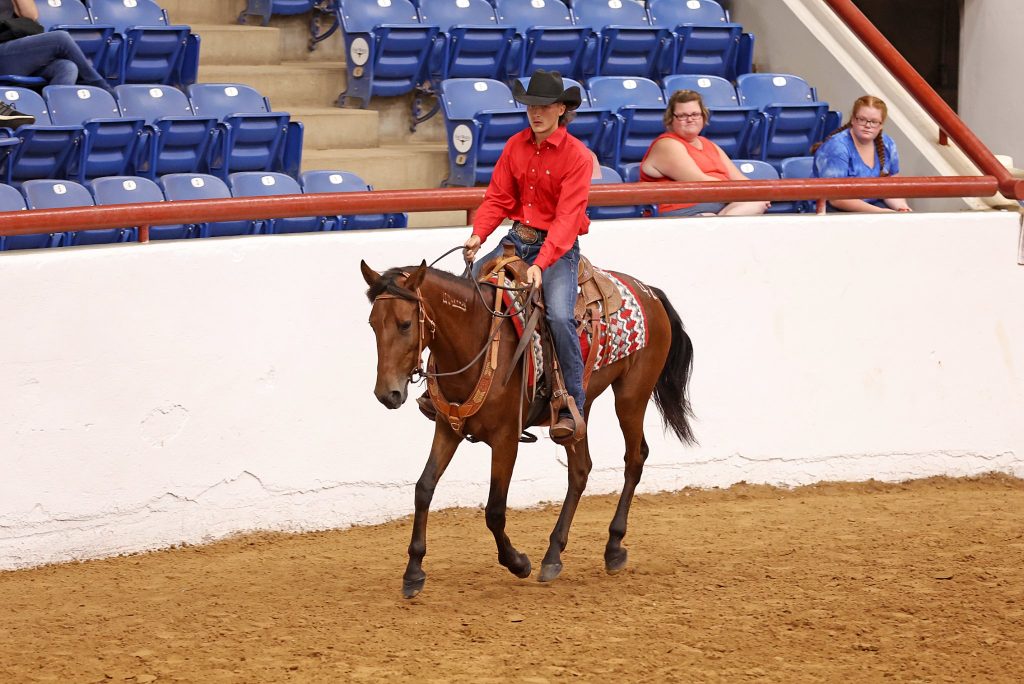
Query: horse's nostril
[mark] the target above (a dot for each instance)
(391, 399)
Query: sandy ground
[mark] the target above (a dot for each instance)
(922, 581)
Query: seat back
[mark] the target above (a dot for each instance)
(345, 181)
(363, 16)
(610, 175)
(27, 102)
(200, 186)
(60, 194)
(792, 119)
(134, 190)
(221, 100)
(672, 13)
(480, 116)
(763, 90)
(546, 36)
(640, 105)
(45, 150)
(714, 90)
(151, 102)
(72, 105)
(12, 200)
(266, 184)
(796, 167)
(110, 142)
(623, 42)
(616, 92)
(63, 13)
(470, 43)
(755, 169)
(122, 15)
(447, 13)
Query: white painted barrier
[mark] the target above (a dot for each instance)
(179, 392)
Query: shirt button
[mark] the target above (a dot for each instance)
(529, 205)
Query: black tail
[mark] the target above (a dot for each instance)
(670, 393)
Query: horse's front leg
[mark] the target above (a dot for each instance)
(579, 472)
(503, 460)
(446, 441)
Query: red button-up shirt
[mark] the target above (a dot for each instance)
(543, 187)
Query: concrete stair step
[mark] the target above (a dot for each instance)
(295, 40)
(203, 11)
(388, 167)
(330, 128)
(234, 44)
(288, 85)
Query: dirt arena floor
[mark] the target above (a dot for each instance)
(916, 582)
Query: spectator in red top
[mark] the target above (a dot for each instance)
(681, 154)
(541, 182)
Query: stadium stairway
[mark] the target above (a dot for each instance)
(374, 143)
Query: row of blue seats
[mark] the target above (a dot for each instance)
(754, 169)
(83, 132)
(128, 41)
(394, 46)
(56, 194)
(768, 117)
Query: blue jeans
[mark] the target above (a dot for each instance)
(560, 289)
(54, 55)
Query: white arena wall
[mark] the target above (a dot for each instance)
(179, 392)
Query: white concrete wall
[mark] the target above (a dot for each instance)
(991, 96)
(179, 392)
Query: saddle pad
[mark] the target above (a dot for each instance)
(625, 334)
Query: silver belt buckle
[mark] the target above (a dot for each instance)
(528, 235)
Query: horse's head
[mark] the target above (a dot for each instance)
(395, 319)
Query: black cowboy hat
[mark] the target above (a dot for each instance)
(546, 88)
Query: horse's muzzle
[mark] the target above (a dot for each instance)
(393, 399)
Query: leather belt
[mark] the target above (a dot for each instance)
(526, 234)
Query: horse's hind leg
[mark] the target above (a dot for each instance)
(579, 472)
(503, 460)
(441, 451)
(630, 410)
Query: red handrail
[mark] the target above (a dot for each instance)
(950, 124)
(467, 199)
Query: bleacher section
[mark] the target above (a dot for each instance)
(255, 111)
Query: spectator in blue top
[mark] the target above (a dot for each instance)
(860, 149)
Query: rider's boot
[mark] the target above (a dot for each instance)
(426, 406)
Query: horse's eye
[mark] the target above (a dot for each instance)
(405, 326)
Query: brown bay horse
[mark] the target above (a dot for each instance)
(418, 308)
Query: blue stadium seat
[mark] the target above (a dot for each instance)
(41, 150)
(471, 43)
(251, 136)
(265, 8)
(147, 48)
(705, 41)
(176, 140)
(622, 42)
(546, 37)
(134, 190)
(344, 181)
(200, 186)
(61, 194)
(110, 142)
(387, 48)
(640, 106)
(792, 118)
(610, 175)
(797, 167)
(480, 116)
(267, 184)
(74, 17)
(594, 126)
(730, 124)
(755, 169)
(12, 200)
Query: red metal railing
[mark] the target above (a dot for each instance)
(997, 178)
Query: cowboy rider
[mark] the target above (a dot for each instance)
(541, 182)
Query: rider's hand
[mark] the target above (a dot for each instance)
(470, 247)
(534, 277)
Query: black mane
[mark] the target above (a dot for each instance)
(387, 283)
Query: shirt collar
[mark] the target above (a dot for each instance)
(555, 139)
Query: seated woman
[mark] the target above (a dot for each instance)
(681, 154)
(860, 149)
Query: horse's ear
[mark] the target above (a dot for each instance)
(369, 275)
(415, 278)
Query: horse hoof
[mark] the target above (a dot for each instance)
(524, 571)
(412, 588)
(615, 563)
(549, 572)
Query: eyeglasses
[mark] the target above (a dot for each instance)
(688, 117)
(867, 123)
